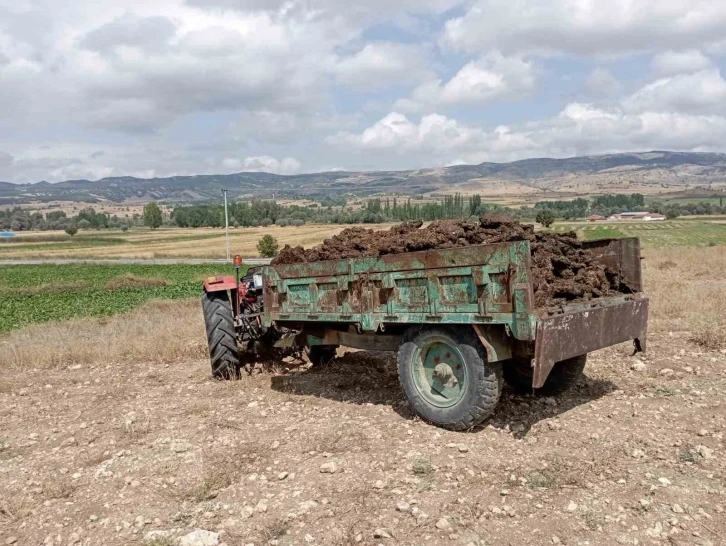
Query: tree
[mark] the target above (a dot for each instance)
(84, 224)
(267, 246)
(71, 230)
(152, 215)
(672, 212)
(545, 217)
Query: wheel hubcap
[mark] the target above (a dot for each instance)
(439, 373)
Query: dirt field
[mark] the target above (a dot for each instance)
(163, 243)
(110, 442)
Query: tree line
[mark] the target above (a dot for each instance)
(17, 219)
(335, 210)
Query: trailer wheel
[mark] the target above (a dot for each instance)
(565, 374)
(446, 377)
(219, 322)
(320, 355)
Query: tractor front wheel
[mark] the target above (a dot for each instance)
(221, 338)
(446, 377)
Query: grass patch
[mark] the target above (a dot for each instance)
(708, 335)
(703, 231)
(422, 467)
(687, 292)
(130, 281)
(664, 391)
(689, 455)
(161, 541)
(540, 480)
(57, 489)
(667, 264)
(146, 334)
(14, 507)
(210, 485)
(277, 529)
(44, 293)
(600, 233)
(55, 288)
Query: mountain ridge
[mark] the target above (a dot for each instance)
(677, 170)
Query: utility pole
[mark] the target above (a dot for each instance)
(226, 222)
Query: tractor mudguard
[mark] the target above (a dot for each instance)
(220, 283)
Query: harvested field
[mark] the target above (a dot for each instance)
(112, 433)
(562, 271)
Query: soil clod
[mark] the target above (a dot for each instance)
(563, 271)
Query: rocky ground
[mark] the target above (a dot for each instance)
(143, 454)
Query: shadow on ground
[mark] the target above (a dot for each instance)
(371, 378)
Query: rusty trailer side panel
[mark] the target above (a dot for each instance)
(485, 286)
(579, 332)
(481, 284)
(621, 255)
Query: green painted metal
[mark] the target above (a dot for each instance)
(484, 284)
(488, 286)
(439, 373)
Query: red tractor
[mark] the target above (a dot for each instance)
(232, 309)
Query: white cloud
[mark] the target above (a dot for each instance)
(382, 64)
(601, 82)
(130, 31)
(669, 63)
(264, 163)
(579, 129)
(492, 77)
(395, 133)
(586, 27)
(206, 86)
(702, 92)
(358, 12)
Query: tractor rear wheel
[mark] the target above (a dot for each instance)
(565, 374)
(446, 377)
(219, 322)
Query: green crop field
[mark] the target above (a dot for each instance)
(678, 232)
(41, 293)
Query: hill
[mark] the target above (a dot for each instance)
(657, 172)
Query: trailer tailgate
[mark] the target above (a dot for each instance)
(578, 332)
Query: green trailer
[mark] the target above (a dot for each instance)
(462, 321)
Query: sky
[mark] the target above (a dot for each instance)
(94, 89)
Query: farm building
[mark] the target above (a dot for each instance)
(642, 216)
(654, 217)
(595, 218)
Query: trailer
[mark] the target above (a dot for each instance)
(462, 321)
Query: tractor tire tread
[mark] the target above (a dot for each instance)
(221, 338)
(564, 375)
(487, 385)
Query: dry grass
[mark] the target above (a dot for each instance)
(159, 331)
(169, 243)
(220, 470)
(129, 280)
(687, 290)
(57, 489)
(14, 506)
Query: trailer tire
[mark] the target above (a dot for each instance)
(472, 387)
(564, 375)
(221, 338)
(320, 355)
